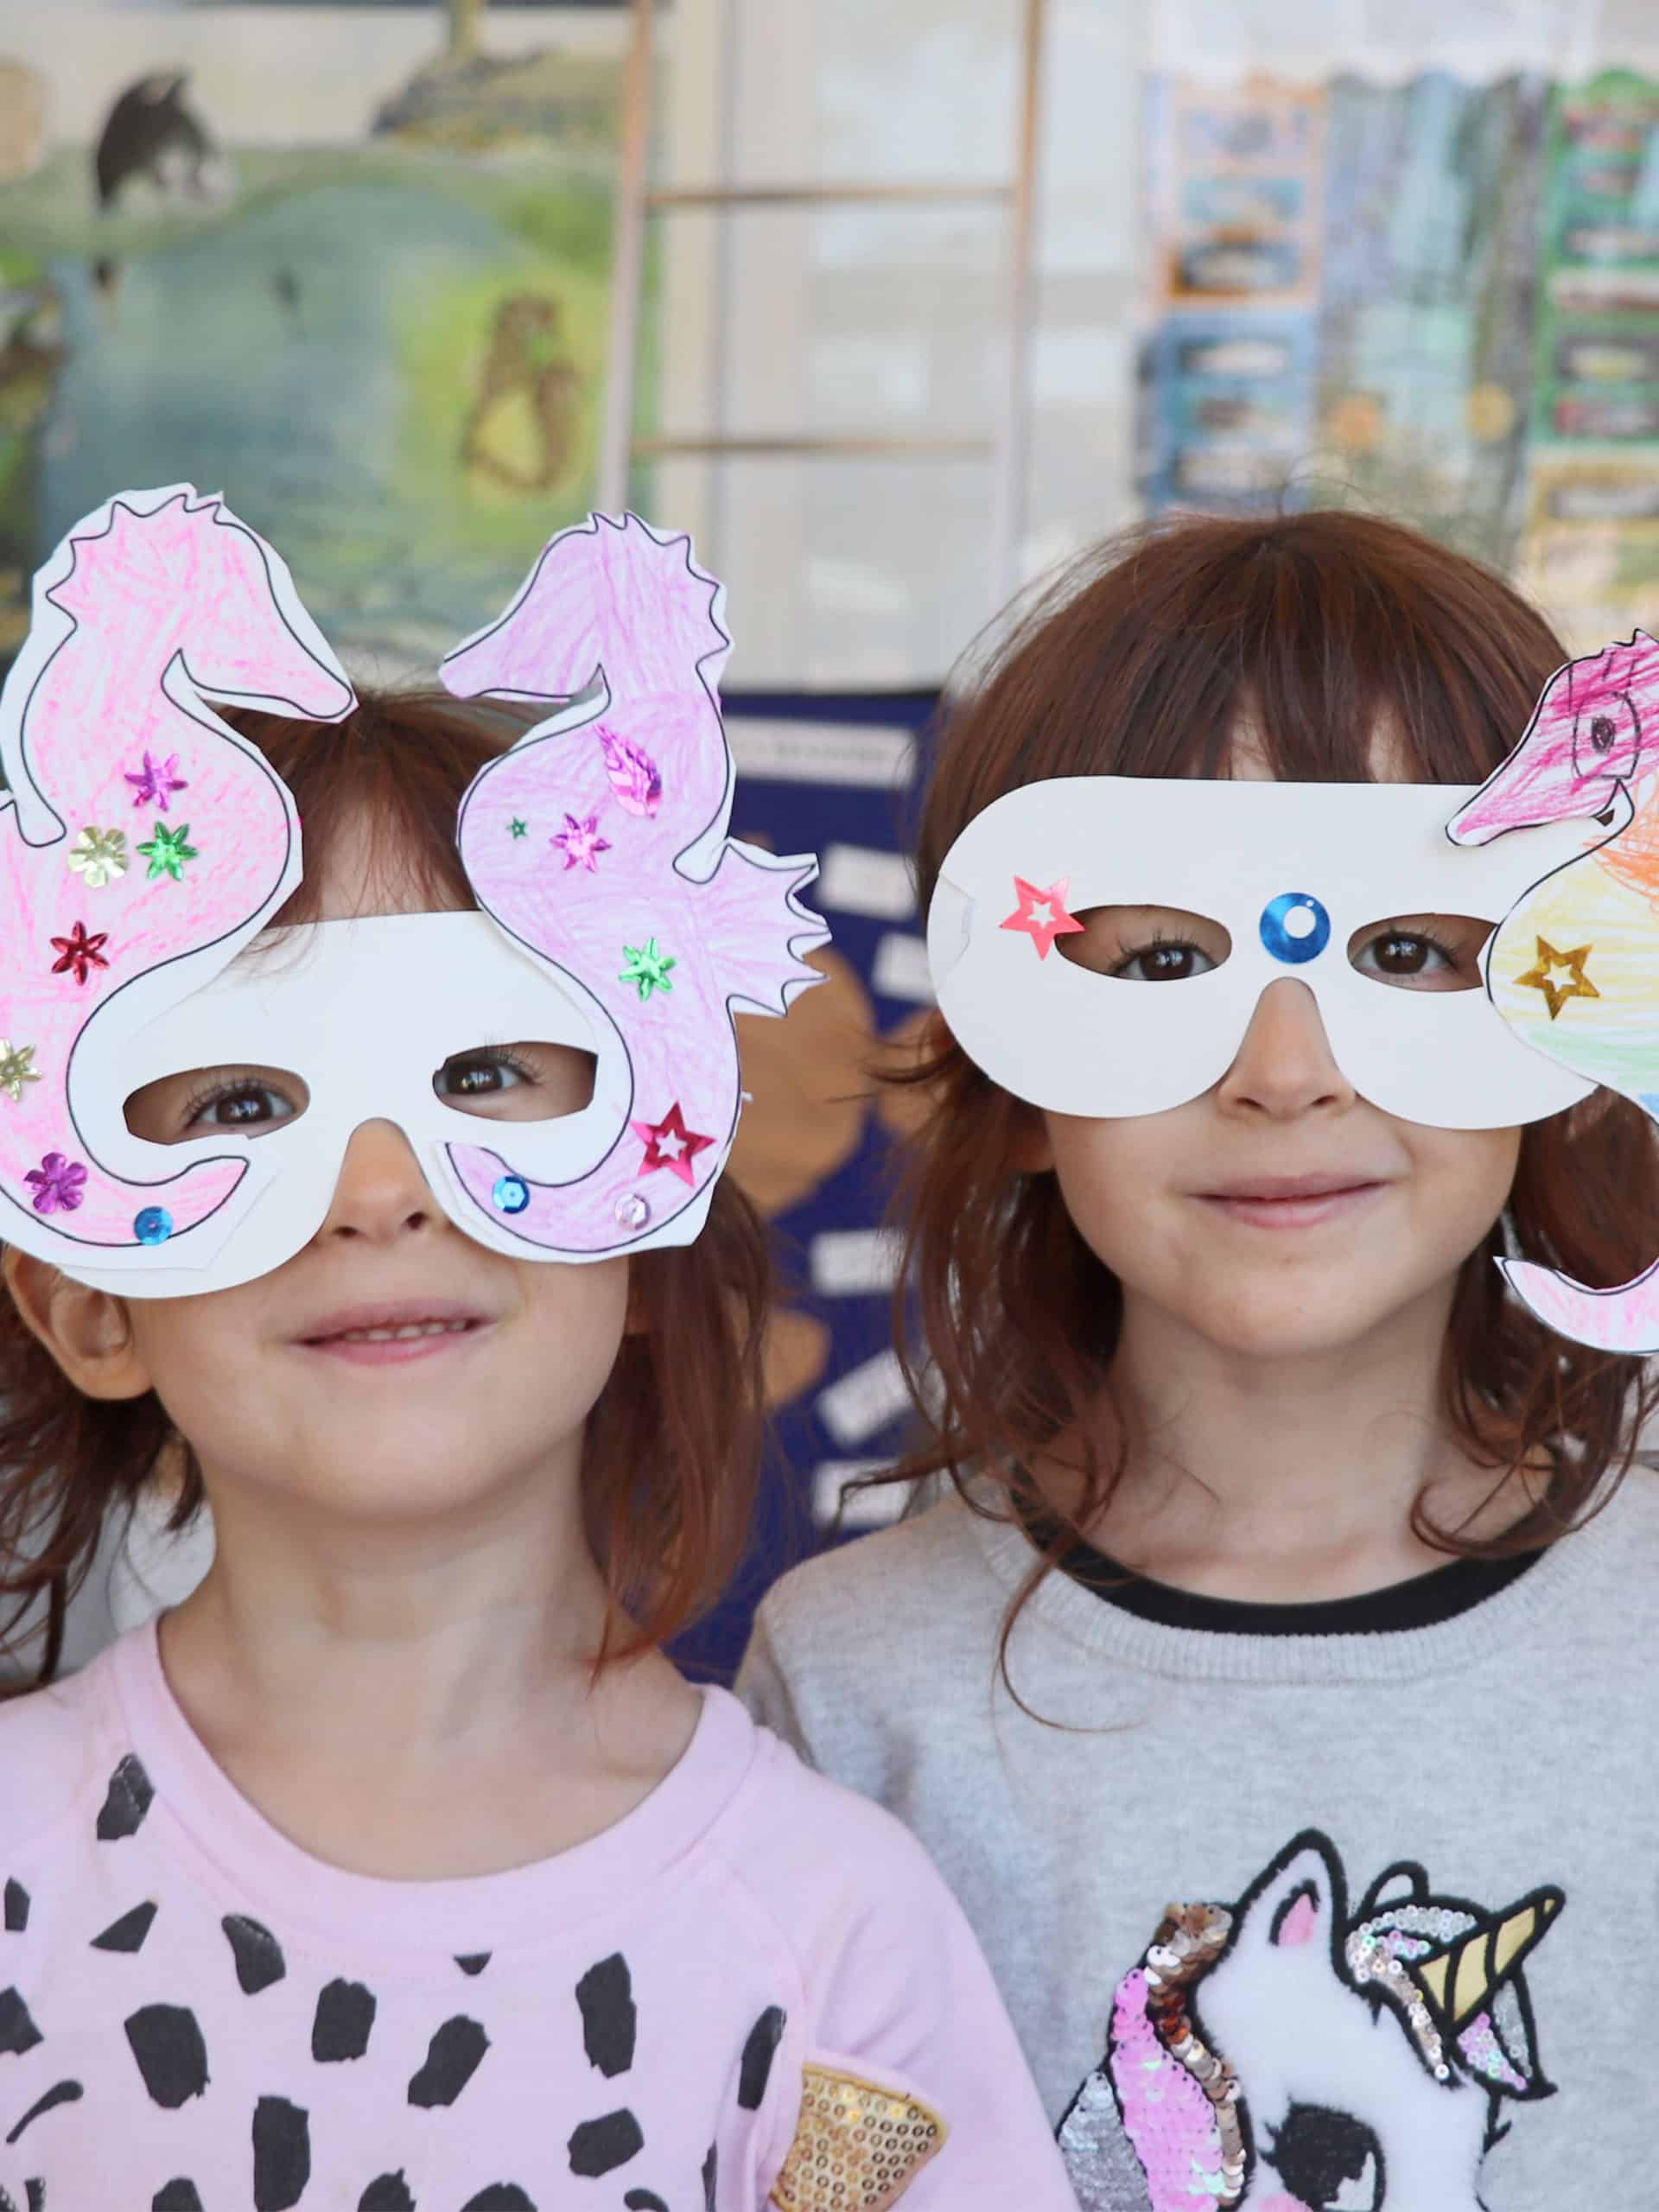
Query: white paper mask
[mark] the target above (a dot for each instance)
(364, 1012)
(1291, 871)
(611, 901)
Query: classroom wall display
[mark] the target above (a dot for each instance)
(348, 262)
(1434, 297)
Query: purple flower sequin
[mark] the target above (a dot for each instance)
(57, 1184)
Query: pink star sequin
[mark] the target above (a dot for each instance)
(79, 952)
(669, 1144)
(581, 843)
(153, 783)
(1042, 913)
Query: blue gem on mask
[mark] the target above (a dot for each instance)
(510, 1194)
(153, 1226)
(1295, 927)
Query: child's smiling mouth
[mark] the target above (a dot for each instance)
(393, 1332)
(1293, 1201)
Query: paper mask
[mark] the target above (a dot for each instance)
(146, 845)
(1291, 871)
(1574, 969)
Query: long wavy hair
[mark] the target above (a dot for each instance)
(672, 1448)
(1321, 628)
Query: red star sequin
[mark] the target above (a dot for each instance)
(1042, 913)
(669, 1144)
(79, 952)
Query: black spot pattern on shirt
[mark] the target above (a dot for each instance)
(600, 2146)
(176, 2195)
(386, 2193)
(128, 1799)
(17, 2031)
(281, 2154)
(344, 2015)
(61, 2093)
(128, 1933)
(644, 2200)
(472, 1961)
(758, 2054)
(16, 1907)
(609, 2022)
(500, 2196)
(172, 2057)
(710, 2177)
(452, 2059)
(258, 1956)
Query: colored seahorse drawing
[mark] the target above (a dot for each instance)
(1312, 2059)
(1574, 966)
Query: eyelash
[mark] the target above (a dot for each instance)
(213, 1094)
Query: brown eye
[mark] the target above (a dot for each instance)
(1421, 952)
(1403, 955)
(1165, 963)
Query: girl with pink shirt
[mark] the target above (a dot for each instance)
(373, 1199)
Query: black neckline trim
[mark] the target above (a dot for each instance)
(1421, 1601)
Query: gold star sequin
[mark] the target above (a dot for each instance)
(15, 1069)
(1556, 994)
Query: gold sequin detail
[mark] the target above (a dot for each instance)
(858, 2147)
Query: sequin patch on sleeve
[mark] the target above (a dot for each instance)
(858, 2147)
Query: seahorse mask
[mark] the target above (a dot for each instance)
(1291, 871)
(145, 845)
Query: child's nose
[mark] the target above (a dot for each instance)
(380, 1192)
(1284, 1065)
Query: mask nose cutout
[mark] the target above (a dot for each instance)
(1295, 927)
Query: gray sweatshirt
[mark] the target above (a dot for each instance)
(1342, 1921)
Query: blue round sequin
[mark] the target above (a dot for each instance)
(153, 1226)
(510, 1194)
(1295, 927)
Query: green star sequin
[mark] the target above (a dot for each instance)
(15, 1069)
(518, 827)
(166, 852)
(647, 967)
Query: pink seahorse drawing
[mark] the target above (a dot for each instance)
(1591, 749)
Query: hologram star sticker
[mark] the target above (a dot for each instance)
(1042, 913)
(1556, 994)
(166, 852)
(647, 967)
(581, 843)
(79, 952)
(155, 782)
(669, 1144)
(16, 1069)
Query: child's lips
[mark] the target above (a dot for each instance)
(393, 1333)
(1293, 1201)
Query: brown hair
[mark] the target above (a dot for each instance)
(671, 1452)
(1141, 662)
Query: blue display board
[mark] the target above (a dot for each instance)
(835, 774)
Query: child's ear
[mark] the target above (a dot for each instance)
(86, 1331)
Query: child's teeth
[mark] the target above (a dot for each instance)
(396, 1335)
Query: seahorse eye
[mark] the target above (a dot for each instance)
(1602, 732)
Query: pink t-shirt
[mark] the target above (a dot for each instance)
(753, 1988)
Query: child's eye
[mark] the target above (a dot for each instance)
(1165, 962)
(249, 1108)
(1438, 952)
(480, 1075)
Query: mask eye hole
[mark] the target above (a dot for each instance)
(203, 1103)
(1146, 944)
(524, 1082)
(1421, 952)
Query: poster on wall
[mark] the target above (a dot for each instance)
(1592, 544)
(1436, 295)
(348, 262)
